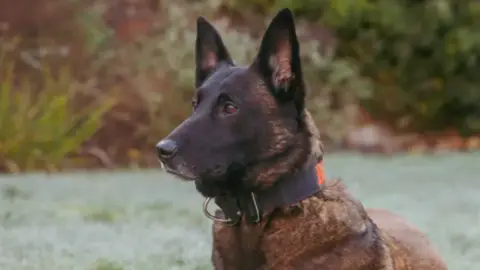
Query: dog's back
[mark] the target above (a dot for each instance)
(411, 245)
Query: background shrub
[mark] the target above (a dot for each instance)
(39, 125)
(423, 56)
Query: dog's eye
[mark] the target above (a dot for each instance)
(229, 108)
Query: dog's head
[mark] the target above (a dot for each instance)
(249, 126)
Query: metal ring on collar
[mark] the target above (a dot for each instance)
(213, 217)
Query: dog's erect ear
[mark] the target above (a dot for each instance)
(278, 60)
(209, 51)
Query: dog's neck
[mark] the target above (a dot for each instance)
(253, 206)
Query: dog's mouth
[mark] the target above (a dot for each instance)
(184, 176)
(180, 172)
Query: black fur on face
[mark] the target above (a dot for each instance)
(247, 129)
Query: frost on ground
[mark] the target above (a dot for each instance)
(146, 220)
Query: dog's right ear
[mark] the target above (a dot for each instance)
(210, 51)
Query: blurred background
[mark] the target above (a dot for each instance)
(95, 84)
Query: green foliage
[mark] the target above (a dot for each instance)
(39, 128)
(422, 56)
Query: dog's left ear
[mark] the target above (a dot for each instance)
(210, 51)
(278, 60)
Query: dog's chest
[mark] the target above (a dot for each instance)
(238, 247)
(260, 246)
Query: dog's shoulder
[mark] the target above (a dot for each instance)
(333, 210)
(316, 226)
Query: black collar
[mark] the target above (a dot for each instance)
(253, 205)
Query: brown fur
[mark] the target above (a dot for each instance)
(329, 231)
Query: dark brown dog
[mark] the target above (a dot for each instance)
(251, 146)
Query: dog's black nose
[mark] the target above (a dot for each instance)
(166, 149)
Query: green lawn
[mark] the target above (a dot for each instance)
(147, 220)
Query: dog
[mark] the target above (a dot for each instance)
(252, 147)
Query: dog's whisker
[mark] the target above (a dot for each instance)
(162, 165)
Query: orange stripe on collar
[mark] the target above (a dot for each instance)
(320, 173)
